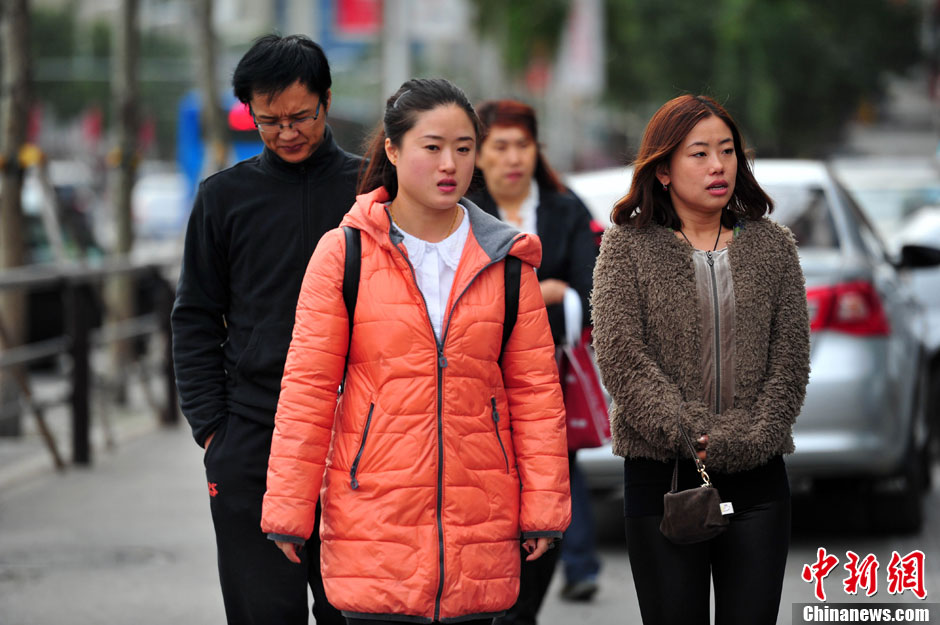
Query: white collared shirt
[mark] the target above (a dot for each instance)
(435, 266)
(527, 210)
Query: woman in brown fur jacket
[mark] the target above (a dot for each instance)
(700, 317)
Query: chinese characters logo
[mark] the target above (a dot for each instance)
(902, 573)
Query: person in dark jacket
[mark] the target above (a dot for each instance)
(252, 231)
(522, 189)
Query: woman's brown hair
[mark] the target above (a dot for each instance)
(647, 201)
(520, 115)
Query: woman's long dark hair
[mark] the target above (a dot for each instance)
(647, 201)
(415, 96)
(520, 115)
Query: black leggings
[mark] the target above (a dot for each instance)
(747, 564)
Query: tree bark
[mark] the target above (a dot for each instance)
(14, 113)
(213, 117)
(124, 92)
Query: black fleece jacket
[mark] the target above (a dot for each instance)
(250, 236)
(568, 248)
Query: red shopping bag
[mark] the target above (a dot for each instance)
(585, 400)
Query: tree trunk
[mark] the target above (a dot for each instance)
(396, 50)
(213, 118)
(14, 113)
(124, 92)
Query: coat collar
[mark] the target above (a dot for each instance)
(323, 157)
(493, 238)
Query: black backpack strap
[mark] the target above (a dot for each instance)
(513, 268)
(351, 281)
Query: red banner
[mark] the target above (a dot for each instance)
(358, 17)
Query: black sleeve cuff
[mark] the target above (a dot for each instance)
(555, 535)
(286, 538)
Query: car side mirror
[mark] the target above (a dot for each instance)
(915, 256)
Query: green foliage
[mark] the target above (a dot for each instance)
(524, 28)
(56, 38)
(792, 72)
(53, 44)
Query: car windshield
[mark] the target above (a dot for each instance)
(922, 228)
(890, 191)
(890, 209)
(805, 211)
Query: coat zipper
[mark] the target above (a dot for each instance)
(441, 365)
(442, 362)
(496, 428)
(711, 266)
(450, 313)
(353, 482)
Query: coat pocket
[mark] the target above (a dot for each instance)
(353, 481)
(218, 437)
(496, 430)
(262, 361)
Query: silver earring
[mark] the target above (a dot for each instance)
(665, 187)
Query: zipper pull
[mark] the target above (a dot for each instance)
(495, 411)
(441, 361)
(711, 261)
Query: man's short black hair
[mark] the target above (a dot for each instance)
(274, 63)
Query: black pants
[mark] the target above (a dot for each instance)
(260, 586)
(535, 578)
(533, 584)
(747, 564)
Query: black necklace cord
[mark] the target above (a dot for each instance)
(717, 238)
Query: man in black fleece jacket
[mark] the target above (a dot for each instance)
(252, 231)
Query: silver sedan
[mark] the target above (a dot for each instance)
(863, 424)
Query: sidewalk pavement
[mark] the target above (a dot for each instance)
(129, 541)
(126, 541)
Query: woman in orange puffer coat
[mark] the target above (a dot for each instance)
(436, 459)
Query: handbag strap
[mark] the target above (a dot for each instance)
(699, 465)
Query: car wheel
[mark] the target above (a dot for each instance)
(933, 415)
(902, 511)
(898, 504)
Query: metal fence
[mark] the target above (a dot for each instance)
(81, 287)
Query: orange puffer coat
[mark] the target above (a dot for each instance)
(434, 460)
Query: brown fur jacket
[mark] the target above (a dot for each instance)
(647, 335)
